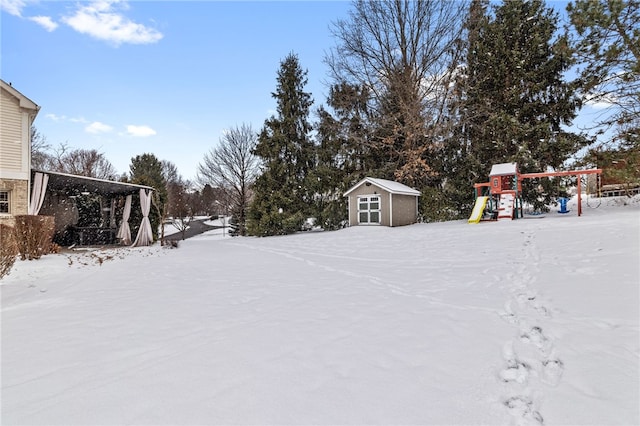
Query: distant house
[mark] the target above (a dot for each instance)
(382, 202)
(17, 113)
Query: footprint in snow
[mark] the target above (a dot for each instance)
(508, 314)
(536, 338)
(522, 409)
(531, 299)
(552, 371)
(516, 371)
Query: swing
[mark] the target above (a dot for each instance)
(561, 200)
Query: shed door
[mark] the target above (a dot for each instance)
(369, 209)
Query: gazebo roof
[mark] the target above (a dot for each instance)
(74, 185)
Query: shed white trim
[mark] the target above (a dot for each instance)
(388, 185)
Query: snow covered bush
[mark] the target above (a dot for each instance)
(34, 235)
(8, 249)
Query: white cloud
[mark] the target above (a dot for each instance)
(45, 22)
(140, 131)
(55, 117)
(98, 127)
(101, 20)
(601, 100)
(13, 7)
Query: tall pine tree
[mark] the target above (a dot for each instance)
(282, 194)
(516, 100)
(344, 154)
(455, 164)
(607, 44)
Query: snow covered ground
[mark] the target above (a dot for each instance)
(531, 321)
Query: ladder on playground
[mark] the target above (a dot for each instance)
(505, 206)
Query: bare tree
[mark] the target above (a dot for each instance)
(389, 40)
(233, 168)
(402, 52)
(179, 206)
(82, 162)
(40, 156)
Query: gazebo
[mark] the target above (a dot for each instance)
(63, 195)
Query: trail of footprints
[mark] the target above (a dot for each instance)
(542, 362)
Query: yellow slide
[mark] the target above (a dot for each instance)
(478, 208)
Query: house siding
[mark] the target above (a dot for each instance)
(404, 209)
(11, 149)
(16, 116)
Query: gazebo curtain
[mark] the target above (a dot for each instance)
(145, 235)
(38, 191)
(124, 233)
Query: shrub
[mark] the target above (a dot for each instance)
(8, 249)
(34, 235)
(436, 206)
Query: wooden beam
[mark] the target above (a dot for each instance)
(561, 173)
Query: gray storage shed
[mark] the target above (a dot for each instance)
(382, 202)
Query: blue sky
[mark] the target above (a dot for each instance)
(161, 77)
(164, 77)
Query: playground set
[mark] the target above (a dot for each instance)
(501, 199)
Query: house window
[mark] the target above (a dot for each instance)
(4, 202)
(369, 209)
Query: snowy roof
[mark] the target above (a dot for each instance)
(388, 185)
(74, 184)
(504, 169)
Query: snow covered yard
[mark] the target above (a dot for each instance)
(527, 322)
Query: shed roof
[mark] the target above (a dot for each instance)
(388, 185)
(74, 185)
(504, 169)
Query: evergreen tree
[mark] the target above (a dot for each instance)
(283, 197)
(606, 39)
(515, 98)
(454, 162)
(147, 170)
(344, 154)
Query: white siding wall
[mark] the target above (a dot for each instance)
(14, 138)
(16, 115)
